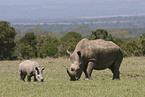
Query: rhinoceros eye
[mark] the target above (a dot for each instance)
(72, 69)
(38, 76)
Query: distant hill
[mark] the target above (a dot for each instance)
(120, 26)
(124, 33)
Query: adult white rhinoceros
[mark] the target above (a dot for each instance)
(94, 54)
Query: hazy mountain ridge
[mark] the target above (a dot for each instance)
(86, 25)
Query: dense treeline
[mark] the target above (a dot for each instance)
(41, 45)
(33, 45)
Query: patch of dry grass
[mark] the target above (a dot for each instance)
(132, 83)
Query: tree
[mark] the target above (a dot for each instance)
(142, 42)
(28, 46)
(99, 34)
(47, 46)
(134, 48)
(29, 39)
(69, 42)
(40, 38)
(7, 37)
(28, 52)
(48, 49)
(110, 38)
(71, 37)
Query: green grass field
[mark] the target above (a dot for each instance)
(57, 84)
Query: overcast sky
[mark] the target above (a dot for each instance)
(36, 9)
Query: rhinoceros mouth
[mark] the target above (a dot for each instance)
(72, 76)
(74, 79)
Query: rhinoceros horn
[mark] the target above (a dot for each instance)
(70, 75)
(68, 52)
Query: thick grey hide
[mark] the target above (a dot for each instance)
(92, 55)
(30, 68)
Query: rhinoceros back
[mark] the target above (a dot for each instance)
(28, 66)
(96, 46)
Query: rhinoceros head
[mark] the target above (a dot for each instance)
(39, 74)
(76, 66)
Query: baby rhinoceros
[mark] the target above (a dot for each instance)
(30, 68)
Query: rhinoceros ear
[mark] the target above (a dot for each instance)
(68, 52)
(79, 54)
(37, 70)
(43, 68)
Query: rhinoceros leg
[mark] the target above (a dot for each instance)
(89, 70)
(22, 76)
(35, 78)
(115, 70)
(116, 73)
(29, 77)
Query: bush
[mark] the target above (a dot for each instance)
(69, 42)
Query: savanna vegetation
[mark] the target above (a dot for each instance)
(39, 45)
(57, 83)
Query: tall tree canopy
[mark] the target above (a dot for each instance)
(49, 47)
(7, 37)
(99, 34)
(28, 46)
